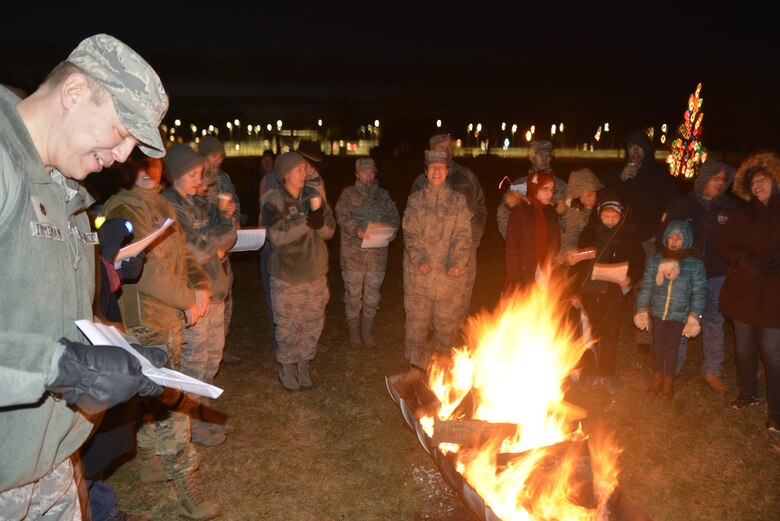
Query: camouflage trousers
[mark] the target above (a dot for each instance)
(426, 315)
(299, 314)
(54, 497)
(167, 426)
(204, 343)
(362, 291)
(470, 275)
(229, 298)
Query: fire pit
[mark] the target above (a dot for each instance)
(495, 423)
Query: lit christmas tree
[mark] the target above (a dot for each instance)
(688, 153)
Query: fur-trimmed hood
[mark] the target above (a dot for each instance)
(766, 161)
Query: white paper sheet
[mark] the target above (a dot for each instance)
(103, 335)
(379, 235)
(249, 239)
(131, 250)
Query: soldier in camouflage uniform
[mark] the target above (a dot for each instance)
(437, 244)
(173, 289)
(462, 180)
(540, 155)
(363, 269)
(299, 222)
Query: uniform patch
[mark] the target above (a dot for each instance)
(40, 210)
(722, 218)
(46, 231)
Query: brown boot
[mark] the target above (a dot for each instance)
(655, 386)
(368, 332)
(192, 504)
(152, 470)
(354, 333)
(666, 388)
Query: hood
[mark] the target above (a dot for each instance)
(766, 161)
(581, 181)
(639, 137)
(708, 170)
(682, 227)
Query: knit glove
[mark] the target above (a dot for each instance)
(155, 355)
(315, 220)
(642, 320)
(667, 269)
(692, 327)
(95, 378)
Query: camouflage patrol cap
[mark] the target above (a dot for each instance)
(436, 156)
(439, 138)
(138, 95)
(365, 163)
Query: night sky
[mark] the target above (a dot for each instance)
(408, 65)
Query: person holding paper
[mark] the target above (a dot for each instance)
(437, 245)
(173, 290)
(89, 112)
(299, 222)
(363, 269)
(672, 297)
(210, 234)
(614, 243)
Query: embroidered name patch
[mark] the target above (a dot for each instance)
(46, 231)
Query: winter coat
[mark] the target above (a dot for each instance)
(465, 182)
(752, 233)
(47, 269)
(613, 246)
(646, 195)
(674, 299)
(520, 260)
(171, 274)
(357, 206)
(207, 231)
(437, 231)
(575, 216)
(298, 253)
(707, 218)
(520, 186)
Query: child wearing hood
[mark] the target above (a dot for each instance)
(672, 298)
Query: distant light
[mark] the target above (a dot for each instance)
(177, 122)
(552, 130)
(229, 125)
(663, 128)
(606, 127)
(514, 128)
(529, 135)
(560, 127)
(164, 128)
(319, 122)
(258, 128)
(598, 134)
(663, 139)
(278, 124)
(479, 127)
(203, 132)
(503, 126)
(211, 128)
(438, 123)
(237, 147)
(470, 127)
(173, 130)
(376, 122)
(506, 143)
(236, 122)
(193, 128)
(171, 138)
(533, 129)
(269, 127)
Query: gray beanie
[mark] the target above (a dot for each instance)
(209, 144)
(180, 159)
(285, 163)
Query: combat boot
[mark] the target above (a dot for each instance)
(354, 333)
(192, 504)
(368, 332)
(205, 436)
(152, 469)
(304, 380)
(288, 379)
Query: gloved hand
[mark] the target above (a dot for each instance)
(642, 320)
(95, 378)
(111, 235)
(315, 219)
(749, 266)
(692, 327)
(131, 268)
(667, 269)
(155, 355)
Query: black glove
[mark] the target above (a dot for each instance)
(315, 219)
(131, 268)
(95, 378)
(155, 355)
(110, 235)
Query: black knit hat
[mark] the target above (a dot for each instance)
(180, 159)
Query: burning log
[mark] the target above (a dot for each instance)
(473, 433)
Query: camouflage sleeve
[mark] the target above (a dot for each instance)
(414, 242)
(221, 229)
(329, 228)
(348, 224)
(389, 210)
(460, 245)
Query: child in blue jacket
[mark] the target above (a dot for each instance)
(672, 295)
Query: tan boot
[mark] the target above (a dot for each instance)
(288, 378)
(715, 383)
(192, 504)
(655, 386)
(667, 387)
(152, 469)
(304, 380)
(354, 333)
(368, 332)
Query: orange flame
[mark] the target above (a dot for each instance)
(517, 373)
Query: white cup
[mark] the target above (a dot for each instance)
(315, 203)
(223, 200)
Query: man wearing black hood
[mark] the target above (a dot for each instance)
(707, 208)
(646, 188)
